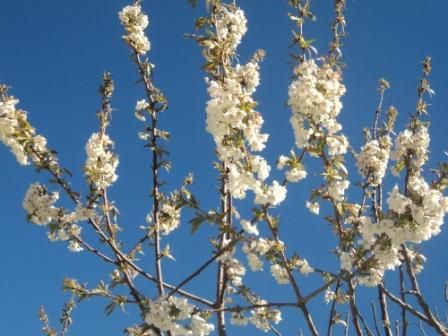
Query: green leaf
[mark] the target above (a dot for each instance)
(196, 223)
(110, 308)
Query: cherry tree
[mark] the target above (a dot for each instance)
(378, 226)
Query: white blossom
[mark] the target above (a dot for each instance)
(337, 145)
(249, 227)
(231, 25)
(139, 107)
(231, 119)
(313, 207)
(238, 319)
(280, 274)
(282, 161)
(295, 175)
(39, 204)
(235, 271)
(74, 246)
(346, 261)
(19, 136)
(416, 143)
(314, 98)
(336, 189)
(261, 317)
(173, 314)
(398, 202)
(274, 194)
(135, 22)
(255, 263)
(329, 296)
(304, 267)
(169, 218)
(373, 160)
(200, 327)
(101, 162)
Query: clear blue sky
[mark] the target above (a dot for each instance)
(53, 54)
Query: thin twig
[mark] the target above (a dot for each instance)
(404, 321)
(384, 310)
(375, 320)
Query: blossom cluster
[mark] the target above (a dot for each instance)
(411, 142)
(296, 171)
(235, 270)
(256, 249)
(169, 218)
(169, 314)
(411, 219)
(314, 98)
(280, 274)
(39, 204)
(233, 122)
(231, 25)
(373, 158)
(40, 208)
(101, 162)
(261, 318)
(17, 134)
(135, 22)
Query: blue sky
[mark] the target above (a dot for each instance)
(53, 55)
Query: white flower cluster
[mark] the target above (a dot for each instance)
(140, 108)
(249, 227)
(340, 297)
(280, 274)
(135, 22)
(413, 217)
(314, 98)
(409, 220)
(169, 218)
(255, 250)
(373, 159)
(409, 142)
(313, 207)
(261, 317)
(304, 266)
(231, 25)
(168, 314)
(17, 134)
(346, 260)
(101, 162)
(337, 144)
(336, 189)
(234, 269)
(39, 205)
(315, 101)
(236, 129)
(296, 171)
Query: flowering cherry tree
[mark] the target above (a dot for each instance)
(375, 235)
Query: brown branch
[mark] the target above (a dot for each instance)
(255, 306)
(432, 321)
(150, 91)
(292, 280)
(353, 307)
(200, 269)
(404, 321)
(405, 305)
(221, 278)
(375, 320)
(365, 325)
(332, 309)
(384, 310)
